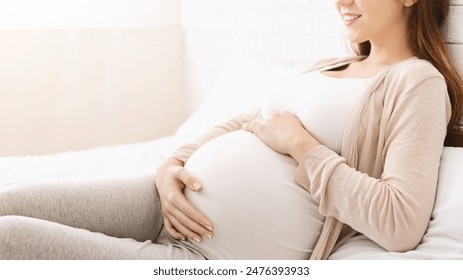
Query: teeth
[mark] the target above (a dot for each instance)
(351, 17)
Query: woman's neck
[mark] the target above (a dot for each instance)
(382, 56)
(388, 55)
(390, 47)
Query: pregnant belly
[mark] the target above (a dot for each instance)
(258, 211)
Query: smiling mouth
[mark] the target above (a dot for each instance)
(349, 19)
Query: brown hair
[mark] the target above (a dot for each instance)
(426, 39)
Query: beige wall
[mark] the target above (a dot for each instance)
(110, 77)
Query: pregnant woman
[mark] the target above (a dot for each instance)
(352, 146)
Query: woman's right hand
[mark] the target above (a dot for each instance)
(181, 219)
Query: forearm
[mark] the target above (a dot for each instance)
(393, 213)
(302, 145)
(184, 152)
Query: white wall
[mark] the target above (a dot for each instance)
(76, 74)
(30, 14)
(454, 33)
(292, 31)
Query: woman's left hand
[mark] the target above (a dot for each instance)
(284, 133)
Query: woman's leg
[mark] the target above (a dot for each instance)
(118, 219)
(30, 238)
(124, 208)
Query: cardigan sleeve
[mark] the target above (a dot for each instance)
(394, 209)
(184, 152)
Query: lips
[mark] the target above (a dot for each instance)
(350, 18)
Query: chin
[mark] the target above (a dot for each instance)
(355, 38)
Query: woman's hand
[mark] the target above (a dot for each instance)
(284, 133)
(181, 219)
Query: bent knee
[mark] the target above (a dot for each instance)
(10, 225)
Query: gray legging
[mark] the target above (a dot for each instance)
(119, 219)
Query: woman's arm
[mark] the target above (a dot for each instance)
(394, 209)
(185, 151)
(181, 219)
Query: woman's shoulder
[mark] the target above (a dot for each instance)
(413, 76)
(414, 69)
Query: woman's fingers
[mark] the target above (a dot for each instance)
(185, 213)
(190, 182)
(193, 218)
(253, 125)
(185, 231)
(184, 205)
(182, 220)
(189, 228)
(172, 231)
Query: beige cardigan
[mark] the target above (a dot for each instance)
(384, 183)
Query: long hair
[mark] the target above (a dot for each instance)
(427, 41)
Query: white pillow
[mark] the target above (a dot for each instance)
(444, 236)
(245, 80)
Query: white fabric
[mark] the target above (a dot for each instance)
(322, 103)
(122, 161)
(258, 211)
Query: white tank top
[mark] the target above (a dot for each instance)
(322, 103)
(249, 193)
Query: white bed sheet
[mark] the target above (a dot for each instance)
(131, 160)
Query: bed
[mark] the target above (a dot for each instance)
(444, 236)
